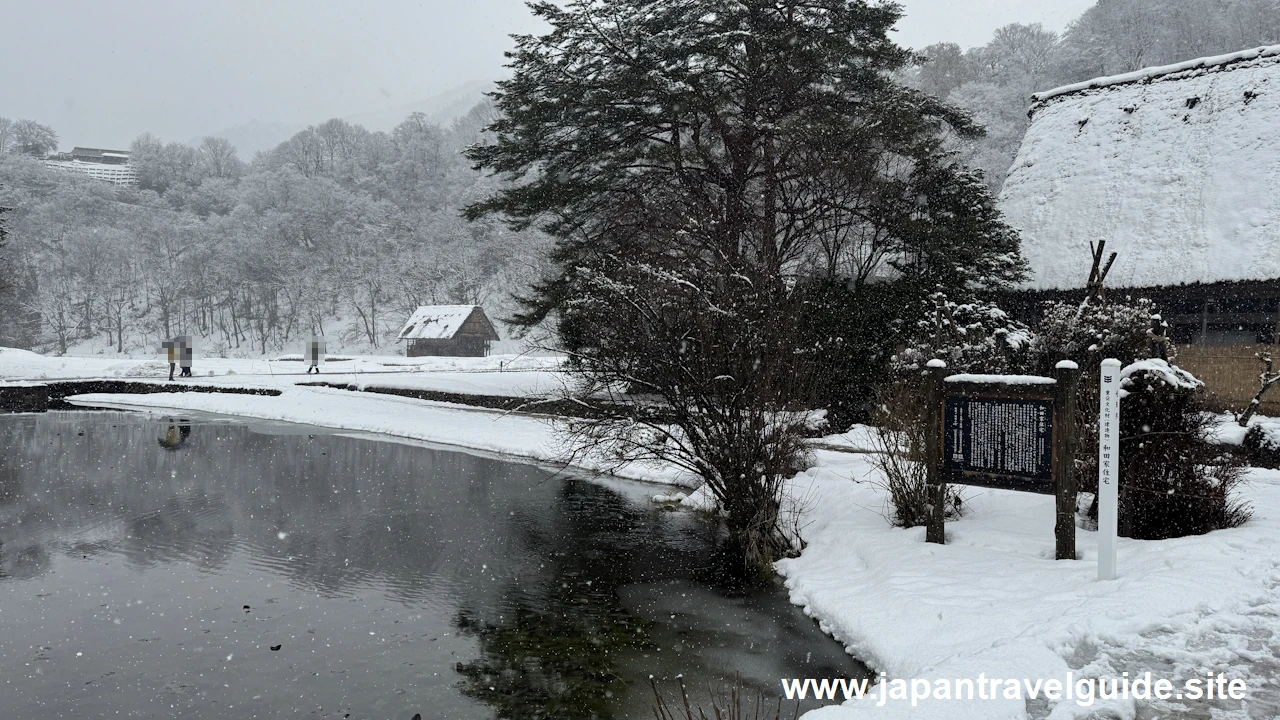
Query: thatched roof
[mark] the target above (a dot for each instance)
(442, 322)
(1177, 167)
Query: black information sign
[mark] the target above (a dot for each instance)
(1005, 437)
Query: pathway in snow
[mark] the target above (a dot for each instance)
(1242, 641)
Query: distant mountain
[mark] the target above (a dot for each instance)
(253, 137)
(440, 109)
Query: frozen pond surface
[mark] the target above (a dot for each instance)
(149, 566)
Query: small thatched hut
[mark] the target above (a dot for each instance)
(450, 330)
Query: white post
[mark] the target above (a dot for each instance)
(1108, 468)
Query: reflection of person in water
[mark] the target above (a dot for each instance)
(175, 436)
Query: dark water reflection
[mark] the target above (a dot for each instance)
(149, 566)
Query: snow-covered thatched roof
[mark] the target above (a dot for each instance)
(442, 322)
(1177, 167)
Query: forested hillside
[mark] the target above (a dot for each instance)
(343, 231)
(339, 231)
(994, 82)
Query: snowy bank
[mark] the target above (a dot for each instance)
(994, 602)
(499, 375)
(461, 426)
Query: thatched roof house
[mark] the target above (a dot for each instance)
(453, 330)
(1178, 168)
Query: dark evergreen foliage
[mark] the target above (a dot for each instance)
(743, 197)
(853, 333)
(768, 137)
(1174, 482)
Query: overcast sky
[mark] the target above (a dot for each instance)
(101, 73)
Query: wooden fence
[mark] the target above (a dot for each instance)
(1230, 372)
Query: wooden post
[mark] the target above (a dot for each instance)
(1067, 374)
(1204, 324)
(935, 485)
(1159, 348)
(1108, 466)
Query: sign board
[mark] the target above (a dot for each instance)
(1015, 432)
(999, 442)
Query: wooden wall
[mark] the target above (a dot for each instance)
(1231, 373)
(458, 346)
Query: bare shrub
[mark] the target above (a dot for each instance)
(702, 371)
(900, 442)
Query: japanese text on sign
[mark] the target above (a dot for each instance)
(1000, 436)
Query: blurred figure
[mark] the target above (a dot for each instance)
(172, 347)
(175, 436)
(315, 354)
(186, 350)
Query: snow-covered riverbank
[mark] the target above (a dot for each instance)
(991, 603)
(515, 435)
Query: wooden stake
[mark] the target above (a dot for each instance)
(936, 487)
(1067, 374)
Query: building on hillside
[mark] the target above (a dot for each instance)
(1178, 169)
(112, 166)
(451, 330)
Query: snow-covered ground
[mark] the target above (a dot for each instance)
(508, 375)
(992, 602)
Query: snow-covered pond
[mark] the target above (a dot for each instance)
(157, 566)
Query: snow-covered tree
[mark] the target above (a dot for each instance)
(218, 159)
(6, 135)
(32, 138)
(974, 336)
(728, 153)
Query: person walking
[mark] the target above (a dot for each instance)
(315, 354)
(185, 353)
(172, 347)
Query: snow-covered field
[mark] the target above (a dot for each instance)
(508, 375)
(991, 602)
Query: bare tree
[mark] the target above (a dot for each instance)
(1266, 379)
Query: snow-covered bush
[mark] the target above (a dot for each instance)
(1090, 333)
(1087, 334)
(1174, 482)
(1262, 445)
(974, 336)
